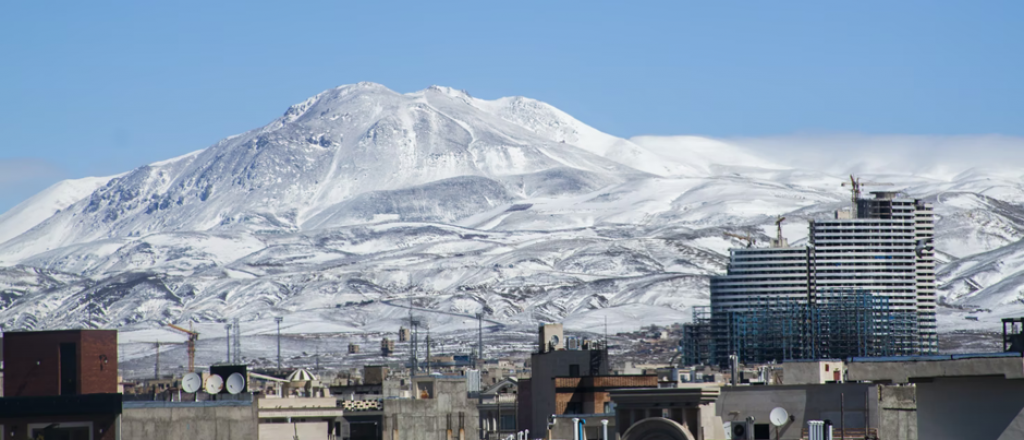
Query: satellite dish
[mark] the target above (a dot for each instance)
(214, 384)
(191, 383)
(554, 339)
(779, 416)
(235, 383)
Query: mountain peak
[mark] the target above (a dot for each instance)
(448, 91)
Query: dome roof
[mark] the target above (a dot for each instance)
(301, 375)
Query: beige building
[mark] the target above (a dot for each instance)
(307, 418)
(800, 372)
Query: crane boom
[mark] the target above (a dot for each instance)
(193, 337)
(750, 240)
(855, 185)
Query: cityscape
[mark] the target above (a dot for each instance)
(482, 221)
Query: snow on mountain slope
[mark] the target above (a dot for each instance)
(42, 206)
(702, 155)
(360, 199)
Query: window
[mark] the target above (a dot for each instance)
(68, 369)
(508, 422)
(574, 370)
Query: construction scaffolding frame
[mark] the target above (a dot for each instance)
(698, 344)
(836, 324)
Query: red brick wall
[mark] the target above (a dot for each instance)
(97, 364)
(591, 391)
(32, 362)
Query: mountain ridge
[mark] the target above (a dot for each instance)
(360, 196)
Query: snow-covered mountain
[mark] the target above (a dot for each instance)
(361, 201)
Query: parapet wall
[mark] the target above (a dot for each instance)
(225, 420)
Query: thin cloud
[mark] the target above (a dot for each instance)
(936, 157)
(20, 178)
(20, 170)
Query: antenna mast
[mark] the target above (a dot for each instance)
(237, 343)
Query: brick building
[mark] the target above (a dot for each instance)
(60, 384)
(589, 395)
(569, 376)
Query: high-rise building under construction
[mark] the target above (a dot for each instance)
(864, 285)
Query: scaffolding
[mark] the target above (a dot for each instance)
(835, 324)
(698, 344)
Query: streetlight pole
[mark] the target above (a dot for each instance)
(278, 320)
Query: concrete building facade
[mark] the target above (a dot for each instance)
(440, 410)
(873, 272)
(207, 420)
(887, 251)
(979, 397)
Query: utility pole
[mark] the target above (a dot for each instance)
(606, 333)
(480, 368)
(156, 373)
(227, 328)
(480, 339)
(236, 344)
(278, 320)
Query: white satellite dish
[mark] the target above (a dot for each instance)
(235, 383)
(191, 383)
(214, 384)
(779, 416)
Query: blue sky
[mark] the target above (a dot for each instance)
(98, 88)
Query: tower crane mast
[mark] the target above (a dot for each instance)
(855, 185)
(193, 337)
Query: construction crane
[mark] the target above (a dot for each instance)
(157, 344)
(750, 240)
(778, 231)
(855, 185)
(193, 337)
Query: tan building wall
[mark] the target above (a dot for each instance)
(812, 372)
